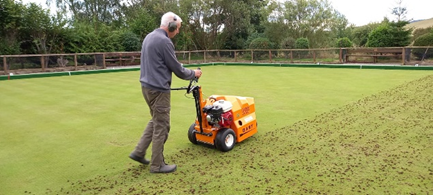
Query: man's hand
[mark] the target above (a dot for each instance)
(198, 73)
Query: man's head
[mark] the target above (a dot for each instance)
(171, 23)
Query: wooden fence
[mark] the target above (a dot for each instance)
(23, 64)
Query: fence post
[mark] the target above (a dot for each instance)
(270, 56)
(235, 56)
(314, 56)
(343, 56)
(43, 63)
(291, 56)
(5, 66)
(204, 55)
(252, 56)
(94, 60)
(403, 56)
(407, 52)
(75, 62)
(189, 57)
(103, 61)
(120, 59)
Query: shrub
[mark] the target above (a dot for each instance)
(252, 37)
(130, 41)
(389, 34)
(380, 37)
(85, 38)
(421, 31)
(302, 43)
(344, 42)
(424, 40)
(260, 43)
(9, 48)
(288, 43)
(360, 34)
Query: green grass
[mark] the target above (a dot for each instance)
(337, 131)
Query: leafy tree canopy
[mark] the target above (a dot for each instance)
(389, 34)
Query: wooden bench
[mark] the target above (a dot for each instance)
(374, 53)
(122, 59)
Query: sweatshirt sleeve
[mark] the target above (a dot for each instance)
(174, 65)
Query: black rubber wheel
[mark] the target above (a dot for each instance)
(191, 134)
(225, 139)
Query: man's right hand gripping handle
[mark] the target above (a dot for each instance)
(197, 73)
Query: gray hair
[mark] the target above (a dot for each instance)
(169, 17)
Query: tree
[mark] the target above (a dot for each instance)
(401, 35)
(276, 32)
(360, 34)
(243, 28)
(10, 20)
(29, 29)
(312, 19)
(221, 23)
(141, 22)
(86, 39)
(389, 34)
(93, 11)
(341, 28)
(380, 37)
(37, 28)
(399, 11)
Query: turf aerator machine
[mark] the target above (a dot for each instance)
(222, 120)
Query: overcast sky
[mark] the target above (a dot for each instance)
(362, 12)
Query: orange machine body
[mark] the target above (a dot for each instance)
(243, 121)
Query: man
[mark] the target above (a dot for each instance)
(158, 62)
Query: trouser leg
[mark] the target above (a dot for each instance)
(159, 104)
(144, 142)
(159, 137)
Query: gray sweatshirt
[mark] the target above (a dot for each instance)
(158, 62)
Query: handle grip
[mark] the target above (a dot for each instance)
(195, 78)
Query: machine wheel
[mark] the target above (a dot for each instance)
(225, 140)
(191, 134)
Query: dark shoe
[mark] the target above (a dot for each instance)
(141, 160)
(165, 169)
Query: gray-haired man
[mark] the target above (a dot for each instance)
(158, 62)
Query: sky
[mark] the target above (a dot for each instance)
(362, 12)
